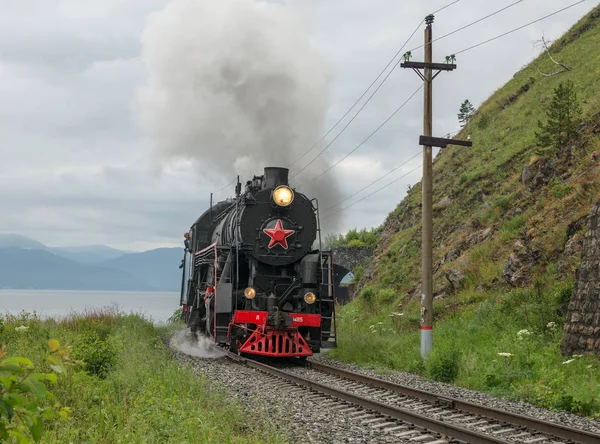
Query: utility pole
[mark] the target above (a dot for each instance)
(428, 143)
(427, 271)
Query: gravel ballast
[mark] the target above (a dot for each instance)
(293, 410)
(304, 417)
(439, 388)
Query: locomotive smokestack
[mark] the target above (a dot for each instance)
(275, 176)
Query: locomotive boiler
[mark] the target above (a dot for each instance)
(255, 279)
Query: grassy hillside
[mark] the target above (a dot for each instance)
(508, 218)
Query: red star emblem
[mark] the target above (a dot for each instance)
(278, 235)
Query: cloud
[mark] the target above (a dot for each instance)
(76, 165)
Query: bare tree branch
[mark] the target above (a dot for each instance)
(548, 74)
(566, 68)
(545, 44)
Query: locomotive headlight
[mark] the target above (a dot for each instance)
(310, 298)
(283, 196)
(250, 293)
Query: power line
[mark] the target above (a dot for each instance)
(226, 185)
(520, 27)
(368, 88)
(458, 52)
(229, 184)
(369, 136)
(471, 24)
(386, 77)
(354, 105)
(374, 182)
(361, 108)
(358, 100)
(444, 7)
(374, 192)
(452, 133)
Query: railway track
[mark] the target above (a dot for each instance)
(415, 415)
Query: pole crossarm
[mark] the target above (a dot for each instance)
(439, 67)
(440, 142)
(434, 66)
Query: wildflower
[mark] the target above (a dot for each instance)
(505, 354)
(396, 314)
(568, 361)
(380, 323)
(22, 328)
(589, 366)
(371, 327)
(551, 325)
(523, 333)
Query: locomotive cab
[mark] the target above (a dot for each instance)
(257, 286)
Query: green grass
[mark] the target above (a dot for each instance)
(474, 322)
(140, 395)
(525, 323)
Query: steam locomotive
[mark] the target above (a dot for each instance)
(253, 281)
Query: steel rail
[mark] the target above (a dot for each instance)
(414, 418)
(538, 425)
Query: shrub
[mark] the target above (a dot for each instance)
(175, 317)
(443, 365)
(98, 354)
(367, 295)
(387, 295)
(564, 293)
(23, 394)
(356, 243)
(354, 238)
(484, 121)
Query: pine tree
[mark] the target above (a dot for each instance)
(563, 118)
(466, 112)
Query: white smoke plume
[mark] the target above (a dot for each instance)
(201, 347)
(235, 86)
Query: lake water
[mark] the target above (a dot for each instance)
(156, 306)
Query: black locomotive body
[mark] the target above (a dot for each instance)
(254, 282)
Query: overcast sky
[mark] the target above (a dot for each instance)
(74, 162)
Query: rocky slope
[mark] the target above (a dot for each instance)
(506, 211)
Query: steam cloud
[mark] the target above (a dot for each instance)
(186, 342)
(234, 86)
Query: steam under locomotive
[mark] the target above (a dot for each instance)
(252, 280)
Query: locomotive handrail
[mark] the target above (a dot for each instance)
(205, 250)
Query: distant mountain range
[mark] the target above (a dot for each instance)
(28, 264)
